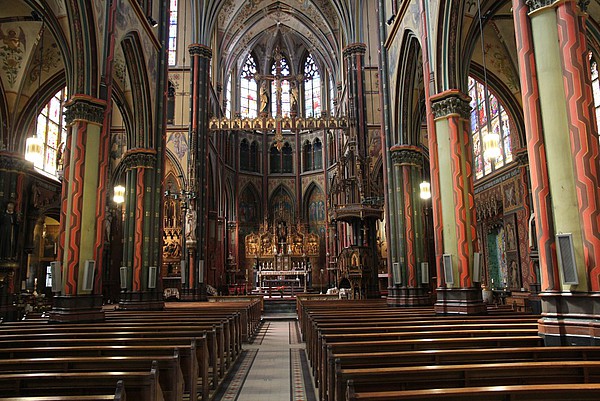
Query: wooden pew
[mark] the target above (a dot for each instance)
(193, 356)
(538, 392)
(170, 375)
(119, 395)
(470, 375)
(142, 386)
(337, 362)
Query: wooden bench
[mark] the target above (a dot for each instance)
(119, 395)
(337, 362)
(170, 376)
(470, 375)
(142, 386)
(539, 392)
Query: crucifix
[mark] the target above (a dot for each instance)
(286, 86)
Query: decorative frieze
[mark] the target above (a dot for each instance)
(139, 158)
(407, 155)
(197, 49)
(84, 108)
(451, 103)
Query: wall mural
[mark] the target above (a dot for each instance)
(281, 206)
(248, 212)
(316, 212)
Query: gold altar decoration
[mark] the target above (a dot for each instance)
(274, 240)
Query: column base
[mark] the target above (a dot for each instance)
(459, 301)
(406, 297)
(76, 309)
(570, 319)
(141, 300)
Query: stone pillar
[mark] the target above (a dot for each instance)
(566, 107)
(452, 112)
(198, 162)
(79, 216)
(407, 166)
(140, 166)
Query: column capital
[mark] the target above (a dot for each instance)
(13, 162)
(407, 155)
(84, 108)
(197, 49)
(535, 5)
(354, 48)
(139, 158)
(451, 102)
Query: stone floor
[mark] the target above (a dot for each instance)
(272, 368)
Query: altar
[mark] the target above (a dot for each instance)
(282, 255)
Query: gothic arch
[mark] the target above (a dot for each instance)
(141, 135)
(281, 201)
(249, 205)
(409, 90)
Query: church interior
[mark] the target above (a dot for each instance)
(383, 170)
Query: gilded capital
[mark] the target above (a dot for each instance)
(84, 108)
(451, 103)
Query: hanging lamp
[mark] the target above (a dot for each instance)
(34, 146)
(491, 140)
(119, 194)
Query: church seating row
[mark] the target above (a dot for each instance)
(356, 357)
(159, 355)
(119, 395)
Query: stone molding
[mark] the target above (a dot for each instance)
(354, 48)
(535, 5)
(13, 162)
(407, 155)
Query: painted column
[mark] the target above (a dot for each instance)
(198, 162)
(138, 255)
(536, 149)
(567, 118)
(81, 300)
(452, 112)
(408, 165)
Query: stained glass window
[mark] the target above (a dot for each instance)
(173, 33)
(281, 161)
(312, 88)
(51, 129)
(228, 98)
(497, 121)
(595, 87)
(285, 88)
(248, 89)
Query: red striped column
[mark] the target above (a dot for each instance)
(407, 170)
(452, 112)
(536, 149)
(566, 109)
(140, 166)
(78, 226)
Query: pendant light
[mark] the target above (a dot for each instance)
(491, 140)
(119, 194)
(425, 190)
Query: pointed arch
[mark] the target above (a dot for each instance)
(314, 208)
(410, 90)
(134, 59)
(281, 204)
(249, 211)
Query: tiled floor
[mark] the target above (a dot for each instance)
(277, 372)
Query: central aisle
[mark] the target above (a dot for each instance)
(272, 368)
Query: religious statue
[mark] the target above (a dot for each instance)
(264, 97)
(190, 225)
(293, 96)
(8, 231)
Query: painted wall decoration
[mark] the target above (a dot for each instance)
(177, 142)
(12, 51)
(511, 195)
(248, 213)
(281, 205)
(316, 212)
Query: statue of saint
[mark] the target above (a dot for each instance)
(8, 231)
(293, 96)
(190, 225)
(264, 97)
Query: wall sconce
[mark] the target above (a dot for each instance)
(425, 190)
(119, 194)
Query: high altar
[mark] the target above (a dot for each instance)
(283, 254)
